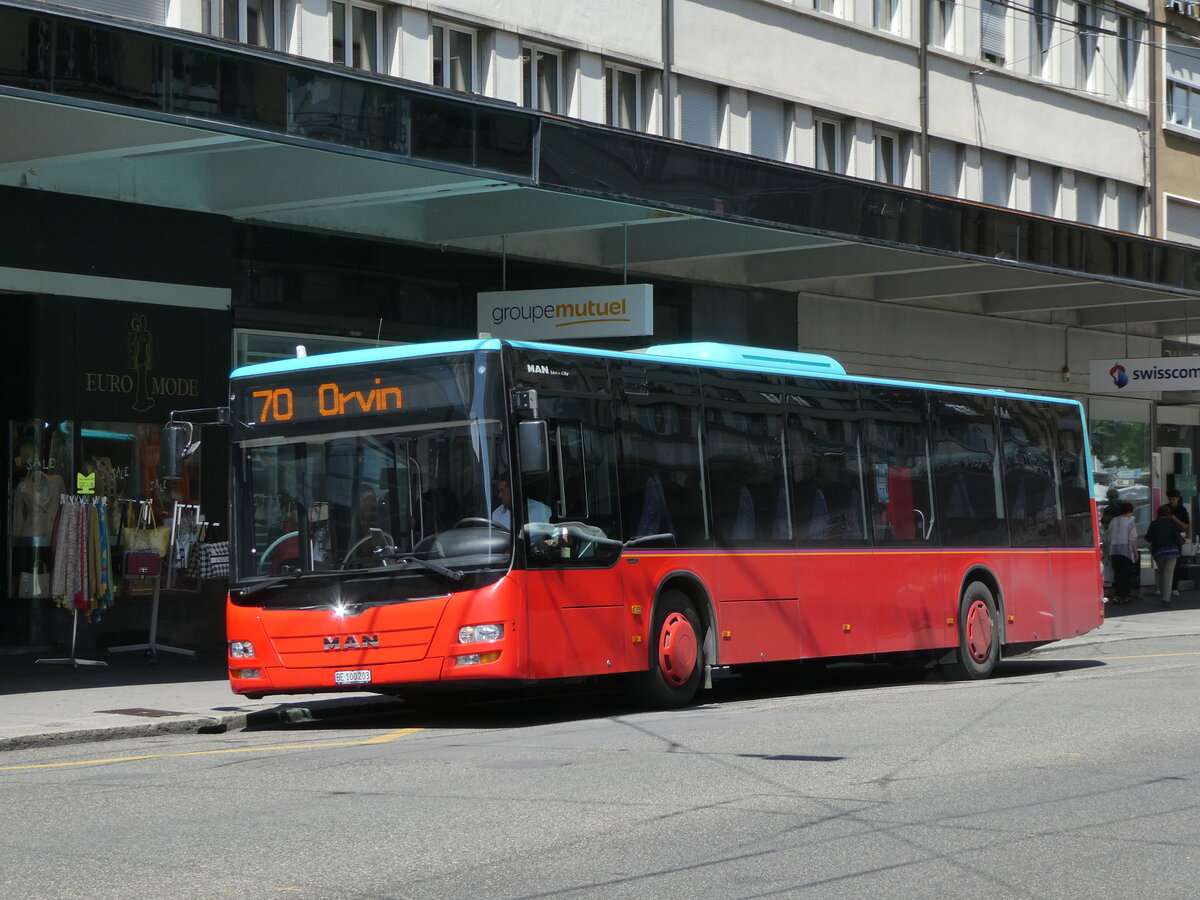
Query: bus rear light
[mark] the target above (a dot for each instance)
(475, 659)
(476, 634)
(241, 649)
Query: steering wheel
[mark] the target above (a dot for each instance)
(476, 522)
(356, 550)
(264, 561)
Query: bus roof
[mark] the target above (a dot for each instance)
(702, 353)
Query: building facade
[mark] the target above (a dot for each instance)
(972, 195)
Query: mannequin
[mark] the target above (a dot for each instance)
(35, 504)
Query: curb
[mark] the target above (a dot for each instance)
(255, 720)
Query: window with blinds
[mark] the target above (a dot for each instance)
(768, 127)
(1183, 221)
(1087, 199)
(992, 37)
(1129, 208)
(997, 171)
(945, 167)
(699, 112)
(1045, 184)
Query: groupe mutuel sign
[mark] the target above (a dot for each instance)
(618, 310)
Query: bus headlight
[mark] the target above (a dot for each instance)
(241, 649)
(475, 659)
(474, 634)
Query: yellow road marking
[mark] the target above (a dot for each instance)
(1153, 655)
(378, 739)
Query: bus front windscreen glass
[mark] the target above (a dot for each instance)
(383, 489)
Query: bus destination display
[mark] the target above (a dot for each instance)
(329, 400)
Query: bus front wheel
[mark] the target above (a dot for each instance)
(978, 633)
(676, 654)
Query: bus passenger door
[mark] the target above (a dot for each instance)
(909, 593)
(574, 597)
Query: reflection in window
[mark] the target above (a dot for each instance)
(967, 480)
(1072, 471)
(901, 499)
(1034, 516)
(826, 465)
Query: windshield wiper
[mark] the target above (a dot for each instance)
(288, 578)
(391, 554)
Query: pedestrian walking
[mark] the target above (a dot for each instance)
(1180, 513)
(1165, 537)
(1122, 551)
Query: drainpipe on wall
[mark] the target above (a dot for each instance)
(923, 98)
(1157, 46)
(668, 53)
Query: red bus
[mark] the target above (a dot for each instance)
(499, 512)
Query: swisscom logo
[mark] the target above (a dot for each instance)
(1119, 377)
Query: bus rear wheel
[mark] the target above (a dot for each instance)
(978, 633)
(676, 654)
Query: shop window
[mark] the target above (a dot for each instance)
(40, 474)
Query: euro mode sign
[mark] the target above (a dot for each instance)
(615, 310)
(1152, 374)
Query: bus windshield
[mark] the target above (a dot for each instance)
(399, 489)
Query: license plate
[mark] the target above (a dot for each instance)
(352, 676)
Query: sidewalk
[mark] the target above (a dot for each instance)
(42, 705)
(133, 697)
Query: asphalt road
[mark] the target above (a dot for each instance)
(1072, 774)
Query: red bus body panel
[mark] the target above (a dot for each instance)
(763, 605)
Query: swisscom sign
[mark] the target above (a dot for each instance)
(1156, 373)
(616, 310)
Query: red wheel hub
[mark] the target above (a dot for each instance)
(677, 649)
(979, 630)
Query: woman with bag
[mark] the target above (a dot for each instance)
(1165, 537)
(1122, 552)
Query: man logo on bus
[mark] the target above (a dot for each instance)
(1120, 379)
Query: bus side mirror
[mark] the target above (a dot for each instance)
(174, 446)
(533, 446)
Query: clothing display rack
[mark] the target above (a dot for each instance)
(72, 659)
(152, 646)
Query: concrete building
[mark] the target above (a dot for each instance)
(936, 191)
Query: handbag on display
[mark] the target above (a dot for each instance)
(141, 564)
(147, 535)
(212, 560)
(35, 585)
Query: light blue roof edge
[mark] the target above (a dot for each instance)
(709, 354)
(356, 357)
